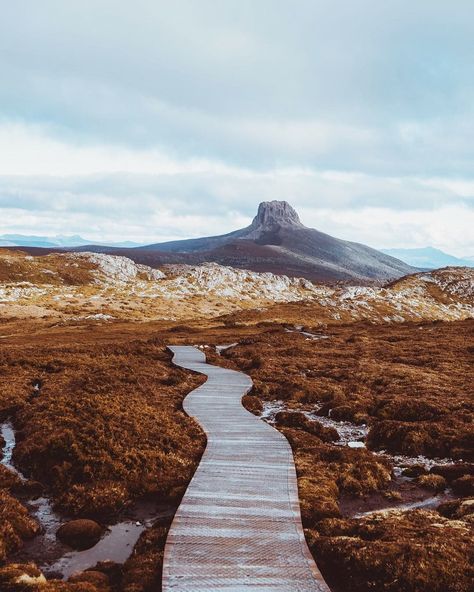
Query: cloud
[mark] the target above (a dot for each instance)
(159, 120)
(155, 197)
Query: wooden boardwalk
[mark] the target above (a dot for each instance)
(238, 526)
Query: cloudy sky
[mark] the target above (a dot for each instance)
(151, 120)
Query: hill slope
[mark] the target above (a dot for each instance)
(77, 287)
(277, 241)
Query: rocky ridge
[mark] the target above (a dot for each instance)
(100, 287)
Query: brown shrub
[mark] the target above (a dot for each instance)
(411, 439)
(142, 571)
(11, 577)
(15, 524)
(385, 554)
(252, 404)
(426, 369)
(410, 409)
(434, 482)
(293, 419)
(457, 508)
(464, 485)
(451, 472)
(105, 428)
(98, 579)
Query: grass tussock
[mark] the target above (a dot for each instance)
(15, 524)
(411, 383)
(107, 426)
(417, 550)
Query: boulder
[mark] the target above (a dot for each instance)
(80, 534)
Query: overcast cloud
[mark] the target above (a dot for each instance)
(152, 120)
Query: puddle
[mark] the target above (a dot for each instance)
(428, 503)
(412, 495)
(353, 436)
(299, 329)
(55, 558)
(350, 434)
(8, 434)
(401, 462)
(221, 348)
(270, 409)
(116, 545)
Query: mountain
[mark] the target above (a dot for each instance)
(278, 242)
(22, 240)
(429, 258)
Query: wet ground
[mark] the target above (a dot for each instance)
(403, 493)
(56, 559)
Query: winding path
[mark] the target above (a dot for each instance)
(238, 526)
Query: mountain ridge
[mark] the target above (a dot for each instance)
(57, 241)
(429, 258)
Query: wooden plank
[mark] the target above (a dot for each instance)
(239, 524)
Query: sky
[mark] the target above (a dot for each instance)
(154, 120)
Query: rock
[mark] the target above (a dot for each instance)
(17, 577)
(80, 534)
(273, 214)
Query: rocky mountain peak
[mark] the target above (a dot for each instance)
(273, 214)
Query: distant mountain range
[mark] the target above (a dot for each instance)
(429, 258)
(22, 240)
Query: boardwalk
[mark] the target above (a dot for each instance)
(238, 526)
